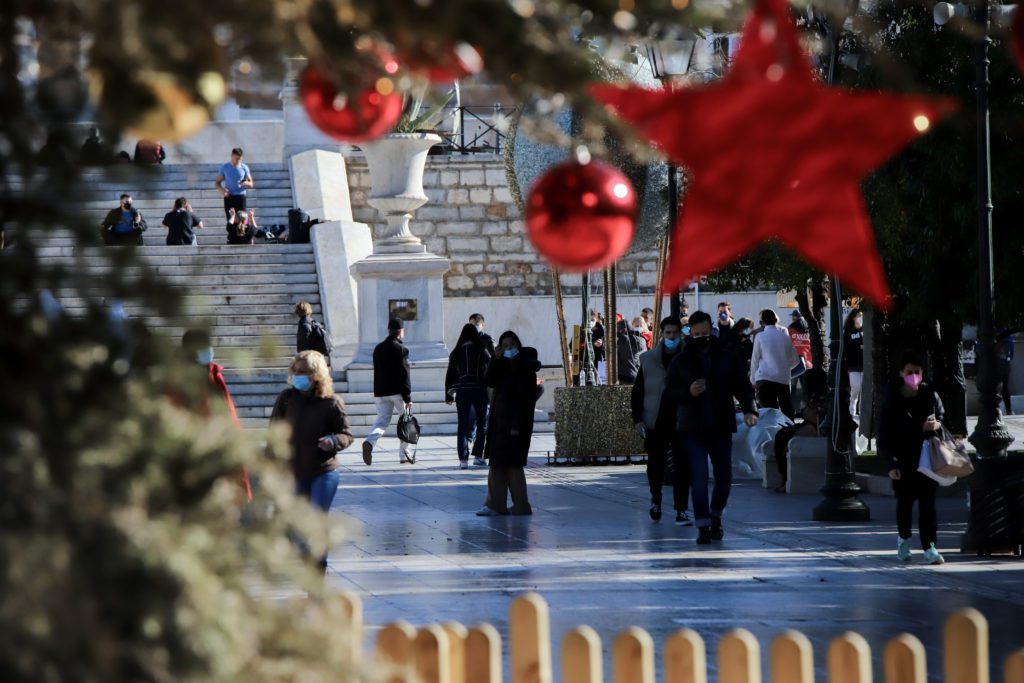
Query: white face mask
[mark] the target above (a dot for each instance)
(638, 329)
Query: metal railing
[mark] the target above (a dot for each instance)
(478, 131)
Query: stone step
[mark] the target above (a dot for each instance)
(162, 201)
(66, 247)
(197, 307)
(198, 282)
(282, 293)
(197, 258)
(177, 271)
(258, 377)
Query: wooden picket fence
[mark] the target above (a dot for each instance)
(452, 653)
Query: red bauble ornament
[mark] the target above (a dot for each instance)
(352, 119)
(775, 154)
(442, 65)
(1017, 37)
(581, 216)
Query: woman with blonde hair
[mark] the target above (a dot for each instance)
(319, 429)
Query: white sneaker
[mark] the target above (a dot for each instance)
(487, 512)
(479, 462)
(903, 550)
(463, 464)
(932, 556)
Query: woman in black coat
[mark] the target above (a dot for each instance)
(464, 385)
(512, 383)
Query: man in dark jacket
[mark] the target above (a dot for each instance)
(703, 379)
(477, 320)
(654, 415)
(392, 389)
(911, 413)
(123, 225)
(630, 346)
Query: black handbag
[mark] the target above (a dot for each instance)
(408, 428)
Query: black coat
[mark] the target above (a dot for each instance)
(629, 347)
(391, 373)
(467, 368)
(714, 411)
(515, 397)
(900, 421)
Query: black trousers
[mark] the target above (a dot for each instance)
(775, 395)
(1005, 369)
(914, 486)
(234, 201)
(659, 445)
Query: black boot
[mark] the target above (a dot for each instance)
(656, 511)
(717, 532)
(704, 535)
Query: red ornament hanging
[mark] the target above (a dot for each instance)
(581, 216)
(458, 61)
(1017, 37)
(775, 154)
(363, 117)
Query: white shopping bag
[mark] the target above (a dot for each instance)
(924, 466)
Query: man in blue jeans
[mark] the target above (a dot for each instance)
(704, 379)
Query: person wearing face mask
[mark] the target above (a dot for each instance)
(703, 380)
(123, 225)
(628, 349)
(319, 430)
(853, 356)
(197, 349)
(724, 324)
(477, 320)
(654, 418)
(771, 365)
(643, 328)
(597, 338)
(912, 412)
(512, 385)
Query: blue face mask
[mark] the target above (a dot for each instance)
(686, 330)
(205, 357)
(301, 382)
(511, 353)
(671, 344)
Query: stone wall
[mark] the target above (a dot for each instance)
(472, 219)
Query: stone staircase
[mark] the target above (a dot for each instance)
(245, 294)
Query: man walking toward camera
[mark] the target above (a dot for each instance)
(392, 389)
(703, 379)
(233, 180)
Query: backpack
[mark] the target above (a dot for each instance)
(320, 339)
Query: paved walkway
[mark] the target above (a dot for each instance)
(420, 554)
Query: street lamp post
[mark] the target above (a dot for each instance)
(669, 58)
(841, 502)
(997, 487)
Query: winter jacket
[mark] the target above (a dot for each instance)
(391, 373)
(114, 217)
(630, 346)
(773, 357)
(649, 402)
(853, 350)
(514, 382)
(900, 421)
(714, 411)
(597, 334)
(467, 368)
(221, 387)
(312, 418)
(306, 340)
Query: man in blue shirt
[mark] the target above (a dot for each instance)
(232, 182)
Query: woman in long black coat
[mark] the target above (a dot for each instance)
(512, 382)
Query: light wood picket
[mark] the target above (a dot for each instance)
(739, 658)
(529, 627)
(633, 657)
(685, 658)
(432, 655)
(849, 659)
(966, 647)
(581, 656)
(792, 659)
(450, 653)
(483, 654)
(457, 634)
(904, 660)
(351, 605)
(1013, 670)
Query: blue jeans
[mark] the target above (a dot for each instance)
(699, 447)
(320, 492)
(471, 405)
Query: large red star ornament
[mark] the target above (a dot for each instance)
(775, 154)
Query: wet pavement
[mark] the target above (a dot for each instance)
(419, 553)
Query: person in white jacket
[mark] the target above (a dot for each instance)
(771, 365)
